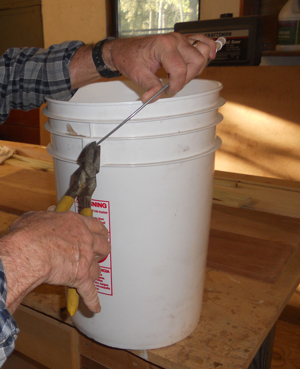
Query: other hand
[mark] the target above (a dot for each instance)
(55, 248)
(139, 58)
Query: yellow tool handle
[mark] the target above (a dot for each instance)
(88, 212)
(72, 297)
(64, 204)
(72, 301)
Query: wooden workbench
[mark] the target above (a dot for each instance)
(252, 271)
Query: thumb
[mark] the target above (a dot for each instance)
(89, 294)
(151, 92)
(51, 208)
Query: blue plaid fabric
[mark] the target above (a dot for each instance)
(8, 327)
(28, 75)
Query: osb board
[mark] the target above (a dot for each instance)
(27, 190)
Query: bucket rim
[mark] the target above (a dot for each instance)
(217, 121)
(220, 102)
(218, 87)
(216, 146)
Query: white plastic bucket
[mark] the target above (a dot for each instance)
(154, 194)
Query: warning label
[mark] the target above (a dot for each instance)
(101, 210)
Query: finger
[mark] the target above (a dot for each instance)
(95, 226)
(204, 40)
(95, 270)
(101, 246)
(203, 57)
(89, 294)
(151, 92)
(181, 66)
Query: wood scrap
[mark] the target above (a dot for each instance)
(5, 153)
(29, 163)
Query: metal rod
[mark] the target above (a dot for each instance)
(134, 113)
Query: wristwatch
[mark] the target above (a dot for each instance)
(101, 67)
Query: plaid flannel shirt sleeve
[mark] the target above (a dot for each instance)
(8, 327)
(28, 75)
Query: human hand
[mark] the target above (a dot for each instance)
(139, 58)
(55, 248)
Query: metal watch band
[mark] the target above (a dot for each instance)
(99, 62)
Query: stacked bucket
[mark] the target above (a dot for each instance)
(154, 194)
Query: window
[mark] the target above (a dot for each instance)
(145, 17)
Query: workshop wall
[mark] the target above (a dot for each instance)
(65, 20)
(42, 23)
(212, 9)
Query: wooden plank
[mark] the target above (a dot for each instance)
(291, 312)
(31, 151)
(50, 300)
(46, 340)
(263, 357)
(110, 357)
(278, 198)
(29, 163)
(27, 190)
(265, 226)
(286, 351)
(7, 169)
(5, 221)
(87, 363)
(18, 361)
(284, 184)
(248, 256)
(289, 334)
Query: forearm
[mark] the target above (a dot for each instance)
(82, 68)
(23, 271)
(28, 75)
